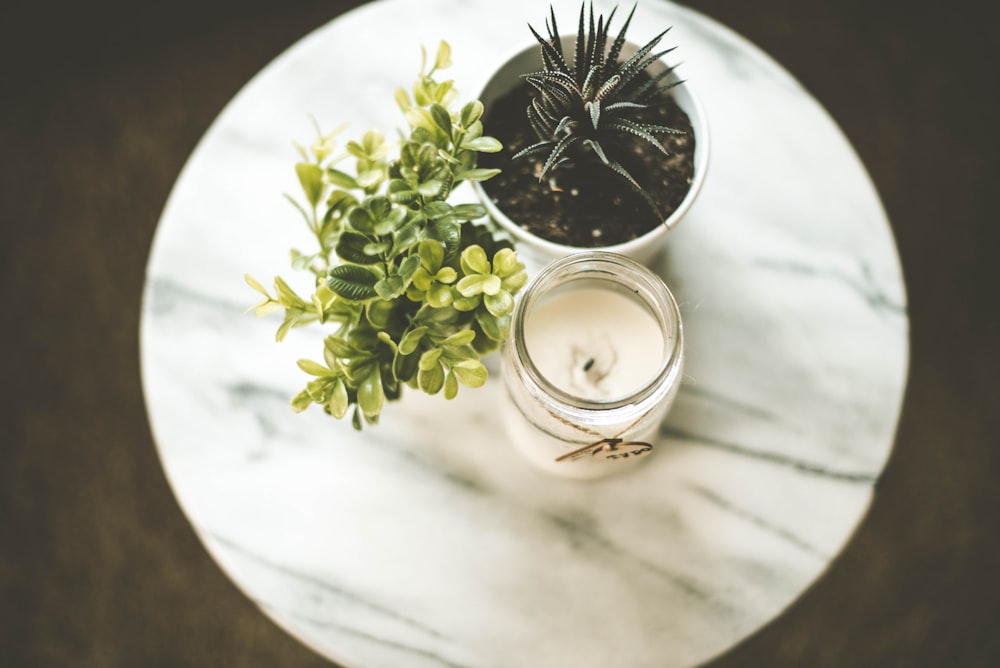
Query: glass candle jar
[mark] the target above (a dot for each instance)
(592, 364)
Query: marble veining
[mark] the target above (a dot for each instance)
(427, 541)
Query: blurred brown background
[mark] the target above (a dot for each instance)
(100, 105)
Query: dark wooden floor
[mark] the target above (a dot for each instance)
(100, 105)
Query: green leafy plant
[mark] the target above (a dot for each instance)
(415, 292)
(581, 110)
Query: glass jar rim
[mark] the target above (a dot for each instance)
(622, 271)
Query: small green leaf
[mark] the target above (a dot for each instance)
(430, 188)
(315, 368)
(362, 220)
(352, 246)
(341, 179)
(379, 206)
(443, 58)
(286, 295)
(370, 394)
(476, 284)
(499, 304)
(443, 92)
(403, 196)
(495, 328)
(474, 261)
(430, 358)
(379, 314)
(469, 211)
(446, 275)
(438, 210)
(402, 99)
(471, 373)
(514, 283)
(338, 347)
(439, 296)
(339, 201)
(255, 284)
(311, 178)
(338, 403)
(354, 148)
(370, 178)
(450, 386)
(474, 130)
(430, 380)
(263, 308)
(482, 144)
(390, 288)
(374, 144)
(411, 340)
(422, 280)
(471, 113)
(462, 338)
(301, 401)
(353, 282)
(441, 118)
(462, 303)
(447, 232)
(408, 267)
(418, 117)
(376, 248)
(389, 222)
(476, 174)
(431, 254)
(505, 262)
(385, 338)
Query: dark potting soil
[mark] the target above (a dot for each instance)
(593, 206)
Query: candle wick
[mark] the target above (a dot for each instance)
(589, 364)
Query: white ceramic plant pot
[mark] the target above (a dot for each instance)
(538, 251)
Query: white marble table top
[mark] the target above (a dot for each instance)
(426, 541)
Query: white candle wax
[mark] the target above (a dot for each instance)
(593, 343)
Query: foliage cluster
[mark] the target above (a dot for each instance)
(415, 291)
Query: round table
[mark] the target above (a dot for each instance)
(425, 541)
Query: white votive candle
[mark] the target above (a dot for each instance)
(594, 343)
(592, 364)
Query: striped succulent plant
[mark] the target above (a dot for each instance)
(581, 110)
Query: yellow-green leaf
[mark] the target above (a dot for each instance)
(311, 178)
(370, 394)
(474, 261)
(443, 59)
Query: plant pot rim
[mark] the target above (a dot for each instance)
(642, 248)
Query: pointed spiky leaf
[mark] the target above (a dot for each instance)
(639, 131)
